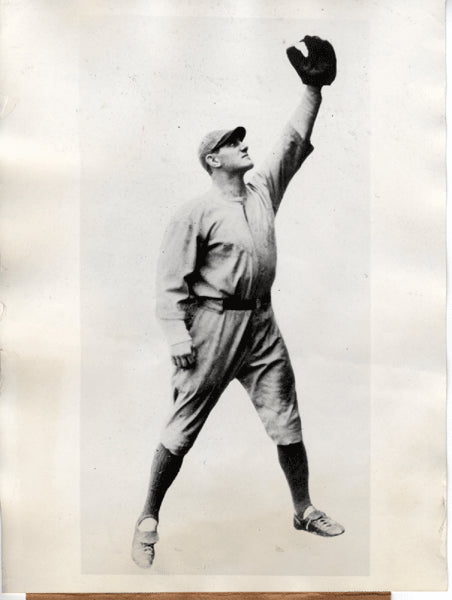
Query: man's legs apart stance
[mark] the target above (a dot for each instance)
(166, 466)
(268, 378)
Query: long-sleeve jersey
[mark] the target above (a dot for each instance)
(220, 246)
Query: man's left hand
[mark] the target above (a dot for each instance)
(318, 68)
(183, 355)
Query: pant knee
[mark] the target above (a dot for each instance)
(179, 446)
(285, 438)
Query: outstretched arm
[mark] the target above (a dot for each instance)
(316, 69)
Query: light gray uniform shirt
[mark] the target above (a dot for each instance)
(220, 246)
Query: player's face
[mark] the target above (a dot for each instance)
(234, 156)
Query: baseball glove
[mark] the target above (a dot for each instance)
(319, 66)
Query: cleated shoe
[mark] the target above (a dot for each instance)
(143, 547)
(319, 523)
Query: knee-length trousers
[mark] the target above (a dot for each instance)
(233, 344)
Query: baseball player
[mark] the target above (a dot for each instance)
(216, 268)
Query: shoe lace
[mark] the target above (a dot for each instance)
(326, 522)
(148, 548)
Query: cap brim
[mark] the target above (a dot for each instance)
(237, 133)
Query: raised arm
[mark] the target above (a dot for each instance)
(316, 69)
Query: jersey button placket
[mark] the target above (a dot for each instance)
(255, 260)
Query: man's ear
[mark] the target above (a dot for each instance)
(213, 161)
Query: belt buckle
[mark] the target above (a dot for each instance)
(259, 303)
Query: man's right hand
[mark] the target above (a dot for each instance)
(183, 355)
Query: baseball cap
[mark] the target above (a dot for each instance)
(215, 139)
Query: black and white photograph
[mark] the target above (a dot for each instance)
(207, 288)
(229, 240)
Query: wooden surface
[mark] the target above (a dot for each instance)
(220, 596)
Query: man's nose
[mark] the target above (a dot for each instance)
(243, 147)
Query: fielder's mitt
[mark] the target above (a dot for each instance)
(319, 66)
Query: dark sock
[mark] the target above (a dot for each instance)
(165, 467)
(294, 463)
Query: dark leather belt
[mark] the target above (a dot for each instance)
(238, 303)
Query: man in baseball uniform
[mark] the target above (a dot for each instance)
(216, 268)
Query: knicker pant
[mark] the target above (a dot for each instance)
(246, 345)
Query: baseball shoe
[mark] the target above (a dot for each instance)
(143, 545)
(319, 523)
